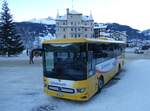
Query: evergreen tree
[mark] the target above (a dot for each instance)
(11, 41)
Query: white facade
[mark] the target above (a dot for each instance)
(74, 25)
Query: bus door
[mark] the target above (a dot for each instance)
(91, 73)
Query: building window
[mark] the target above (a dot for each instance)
(85, 29)
(57, 29)
(64, 36)
(71, 23)
(71, 35)
(78, 29)
(79, 35)
(74, 23)
(85, 35)
(64, 23)
(71, 29)
(75, 35)
(64, 29)
(75, 29)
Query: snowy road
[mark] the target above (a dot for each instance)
(21, 89)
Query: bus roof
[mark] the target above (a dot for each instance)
(83, 40)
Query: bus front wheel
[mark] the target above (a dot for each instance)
(100, 84)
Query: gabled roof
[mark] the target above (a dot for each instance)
(86, 18)
(73, 12)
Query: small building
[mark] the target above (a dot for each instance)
(74, 25)
(101, 30)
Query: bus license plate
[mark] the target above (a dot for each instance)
(60, 94)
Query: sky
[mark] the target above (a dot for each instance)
(134, 13)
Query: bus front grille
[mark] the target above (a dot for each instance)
(61, 89)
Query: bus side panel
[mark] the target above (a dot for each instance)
(92, 85)
(108, 68)
(109, 75)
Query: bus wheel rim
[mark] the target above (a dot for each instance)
(100, 84)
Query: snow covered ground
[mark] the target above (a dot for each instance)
(21, 88)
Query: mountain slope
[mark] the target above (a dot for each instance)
(48, 21)
(147, 33)
(30, 31)
(132, 33)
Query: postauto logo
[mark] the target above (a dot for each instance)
(57, 83)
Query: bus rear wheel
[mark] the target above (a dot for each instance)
(100, 84)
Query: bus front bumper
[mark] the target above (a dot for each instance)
(75, 96)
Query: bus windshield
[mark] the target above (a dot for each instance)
(65, 61)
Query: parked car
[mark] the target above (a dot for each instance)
(145, 47)
(138, 51)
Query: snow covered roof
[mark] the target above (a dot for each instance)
(62, 17)
(100, 25)
(86, 18)
(73, 12)
(105, 34)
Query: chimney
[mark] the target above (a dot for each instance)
(67, 11)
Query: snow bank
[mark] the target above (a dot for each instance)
(130, 50)
(22, 56)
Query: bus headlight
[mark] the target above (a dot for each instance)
(81, 90)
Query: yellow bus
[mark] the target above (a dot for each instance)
(77, 68)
